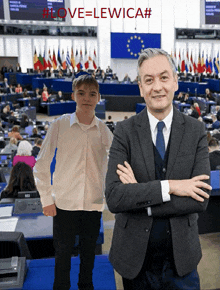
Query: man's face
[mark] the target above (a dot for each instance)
(86, 97)
(157, 84)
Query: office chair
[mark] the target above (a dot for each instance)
(13, 244)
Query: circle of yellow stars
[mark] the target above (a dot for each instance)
(129, 42)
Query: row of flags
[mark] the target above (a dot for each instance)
(75, 60)
(202, 63)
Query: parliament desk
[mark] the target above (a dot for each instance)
(213, 85)
(41, 82)
(209, 220)
(40, 274)
(10, 97)
(26, 79)
(63, 85)
(59, 108)
(38, 232)
(193, 88)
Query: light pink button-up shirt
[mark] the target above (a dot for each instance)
(81, 164)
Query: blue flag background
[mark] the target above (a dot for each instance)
(129, 45)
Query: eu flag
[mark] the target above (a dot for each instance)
(129, 45)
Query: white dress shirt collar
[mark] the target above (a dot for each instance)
(74, 119)
(167, 121)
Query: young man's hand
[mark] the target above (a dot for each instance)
(50, 210)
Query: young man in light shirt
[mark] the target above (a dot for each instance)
(82, 143)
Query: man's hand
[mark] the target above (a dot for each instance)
(190, 187)
(50, 210)
(125, 173)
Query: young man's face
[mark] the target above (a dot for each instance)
(158, 84)
(86, 97)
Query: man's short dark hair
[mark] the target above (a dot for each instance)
(213, 142)
(39, 142)
(85, 79)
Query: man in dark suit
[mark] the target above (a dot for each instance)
(157, 182)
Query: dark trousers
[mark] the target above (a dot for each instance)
(66, 225)
(167, 279)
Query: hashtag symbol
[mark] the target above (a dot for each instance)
(147, 12)
(46, 12)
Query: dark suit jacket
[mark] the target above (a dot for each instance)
(188, 157)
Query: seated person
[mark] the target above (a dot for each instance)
(21, 179)
(6, 113)
(18, 89)
(12, 120)
(179, 97)
(10, 90)
(2, 142)
(194, 112)
(196, 106)
(216, 123)
(214, 153)
(24, 154)
(60, 74)
(36, 148)
(135, 80)
(216, 134)
(24, 121)
(11, 147)
(108, 70)
(59, 97)
(186, 100)
(126, 78)
(35, 133)
(5, 85)
(114, 77)
(37, 93)
(18, 68)
(25, 94)
(15, 133)
(10, 69)
(2, 131)
(45, 95)
(208, 95)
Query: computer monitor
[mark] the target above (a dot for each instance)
(28, 194)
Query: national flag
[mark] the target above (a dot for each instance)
(203, 66)
(183, 67)
(59, 61)
(179, 62)
(35, 59)
(194, 65)
(86, 61)
(90, 60)
(209, 65)
(68, 61)
(45, 61)
(191, 64)
(79, 64)
(50, 61)
(54, 60)
(199, 67)
(40, 62)
(72, 59)
(129, 45)
(63, 60)
(217, 62)
(187, 61)
(94, 60)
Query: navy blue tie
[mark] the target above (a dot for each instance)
(160, 144)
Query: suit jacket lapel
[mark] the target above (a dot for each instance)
(177, 131)
(146, 144)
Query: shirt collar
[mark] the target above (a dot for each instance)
(75, 120)
(167, 121)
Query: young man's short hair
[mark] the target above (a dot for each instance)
(213, 142)
(85, 79)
